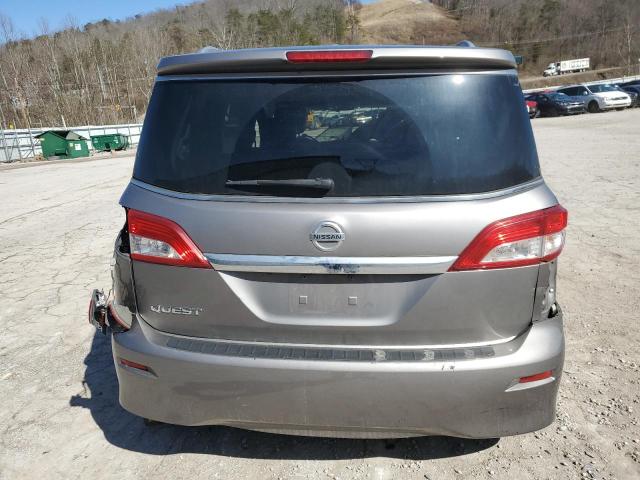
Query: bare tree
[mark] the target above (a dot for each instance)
(104, 71)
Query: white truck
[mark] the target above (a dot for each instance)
(567, 66)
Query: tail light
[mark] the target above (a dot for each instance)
(322, 56)
(155, 239)
(116, 322)
(525, 239)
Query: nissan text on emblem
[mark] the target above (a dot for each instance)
(327, 236)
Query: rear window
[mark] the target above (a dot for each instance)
(385, 136)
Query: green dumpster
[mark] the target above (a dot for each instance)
(112, 141)
(63, 144)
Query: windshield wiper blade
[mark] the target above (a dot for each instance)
(319, 183)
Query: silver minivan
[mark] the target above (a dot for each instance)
(348, 241)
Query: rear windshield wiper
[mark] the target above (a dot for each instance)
(317, 183)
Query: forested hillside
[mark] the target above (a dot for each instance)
(607, 31)
(102, 73)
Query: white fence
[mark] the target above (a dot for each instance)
(19, 144)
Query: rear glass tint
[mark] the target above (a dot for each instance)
(399, 136)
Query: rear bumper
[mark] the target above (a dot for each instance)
(475, 398)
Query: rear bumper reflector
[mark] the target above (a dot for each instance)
(128, 363)
(536, 377)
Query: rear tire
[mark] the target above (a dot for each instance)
(593, 107)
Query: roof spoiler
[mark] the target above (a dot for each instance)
(464, 56)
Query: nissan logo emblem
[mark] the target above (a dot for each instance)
(327, 236)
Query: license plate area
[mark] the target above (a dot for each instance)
(328, 300)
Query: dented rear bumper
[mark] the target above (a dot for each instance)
(475, 395)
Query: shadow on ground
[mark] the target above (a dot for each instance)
(128, 431)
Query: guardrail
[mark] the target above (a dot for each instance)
(19, 144)
(594, 82)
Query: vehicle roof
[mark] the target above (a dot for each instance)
(211, 60)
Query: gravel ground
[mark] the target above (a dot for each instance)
(60, 416)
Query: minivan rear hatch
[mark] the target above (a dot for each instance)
(332, 203)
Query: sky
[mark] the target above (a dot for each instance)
(26, 14)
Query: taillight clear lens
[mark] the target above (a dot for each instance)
(148, 246)
(525, 239)
(553, 245)
(520, 250)
(156, 239)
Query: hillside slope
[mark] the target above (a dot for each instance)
(407, 22)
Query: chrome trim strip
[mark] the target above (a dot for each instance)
(330, 265)
(342, 200)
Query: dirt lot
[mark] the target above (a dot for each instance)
(60, 416)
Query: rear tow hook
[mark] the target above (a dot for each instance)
(100, 314)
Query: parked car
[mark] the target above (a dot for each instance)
(532, 108)
(599, 97)
(630, 82)
(554, 104)
(633, 91)
(398, 280)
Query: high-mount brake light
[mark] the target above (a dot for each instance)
(526, 239)
(328, 56)
(155, 239)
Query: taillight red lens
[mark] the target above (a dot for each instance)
(318, 56)
(525, 239)
(155, 239)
